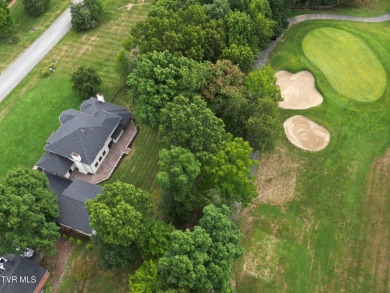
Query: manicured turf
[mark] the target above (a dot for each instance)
(28, 29)
(359, 8)
(348, 63)
(334, 235)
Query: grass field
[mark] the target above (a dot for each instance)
(347, 62)
(84, 274)
(28, 29)
(359, 8)
(332, 235)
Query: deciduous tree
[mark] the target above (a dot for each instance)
(229, 171)
(87, 14)
(28, 210)
(36, 7)
(6, 20)
(192, 125)
(86, 81)
(179, 169)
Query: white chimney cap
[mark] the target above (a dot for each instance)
(76, 157)
(100, 97)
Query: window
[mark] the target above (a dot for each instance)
(97, 163)
(100, 158)
(104, 153)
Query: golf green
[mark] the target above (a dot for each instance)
(350, 66)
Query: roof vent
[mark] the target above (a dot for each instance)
(100, 97)
(76, 157)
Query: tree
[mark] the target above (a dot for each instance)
(87, 14)
(229, 171)
(6, 20)
(28, 210)
(280, 9)
(184, 266)
(192, 125)
(125, 231)
(241, 55)
(217, 9)
(86, 81)
(154, 83)
(36, 7)
(179, 169)
(145, 278)
(200, 261)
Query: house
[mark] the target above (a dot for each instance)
(84, 138)
(21, 275)
(71, 198)
(82, 142)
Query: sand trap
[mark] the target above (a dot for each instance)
(306, 134)
(298, 90)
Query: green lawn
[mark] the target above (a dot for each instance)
(30, 113)
(358, 8)
(334, 235)
(84, 274)
(28, 29)
(347, 62)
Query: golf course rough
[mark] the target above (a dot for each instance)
(350, 66)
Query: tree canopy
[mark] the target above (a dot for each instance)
(192, 125)
(179, 169)
(28, 211)
(229, 171)
(86, 81)
(87, 14)
(125, 230)
(6, 20)
(36, 7)
(200, 261)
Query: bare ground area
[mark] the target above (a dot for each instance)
(376, 253)
(306, 134)
(57, 263)
(298, 90)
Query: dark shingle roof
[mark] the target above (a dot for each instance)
(92, 105)
(54, 163)
(22, 268)
(82, 133)
(58, 184)
(73, 212)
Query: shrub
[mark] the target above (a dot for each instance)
(86, 81)
(35, 7)
(79, 242)
(88, 246)
(65, 237)
(72, 240)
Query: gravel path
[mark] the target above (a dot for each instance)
(263, 58)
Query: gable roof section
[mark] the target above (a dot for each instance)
(73, 212)
(93, 105)
(82, 133)
(24, 269)
(54, 163)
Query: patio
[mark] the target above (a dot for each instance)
(112, 159)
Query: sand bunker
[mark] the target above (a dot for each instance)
(298, 90)
(306, 134)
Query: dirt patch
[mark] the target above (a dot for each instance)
(276, 177)
(306, 134)
(11, 3)
(376, 254)
(57, 263)
(84, 49)
(298, 90)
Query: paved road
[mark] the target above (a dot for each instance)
(262, 60)
(18, 70)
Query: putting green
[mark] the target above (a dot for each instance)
(347, 62)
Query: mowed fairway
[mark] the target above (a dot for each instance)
(347, 62)
(323, 223)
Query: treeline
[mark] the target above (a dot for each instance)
(189, 69)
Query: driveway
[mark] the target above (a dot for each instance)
(18, 70)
